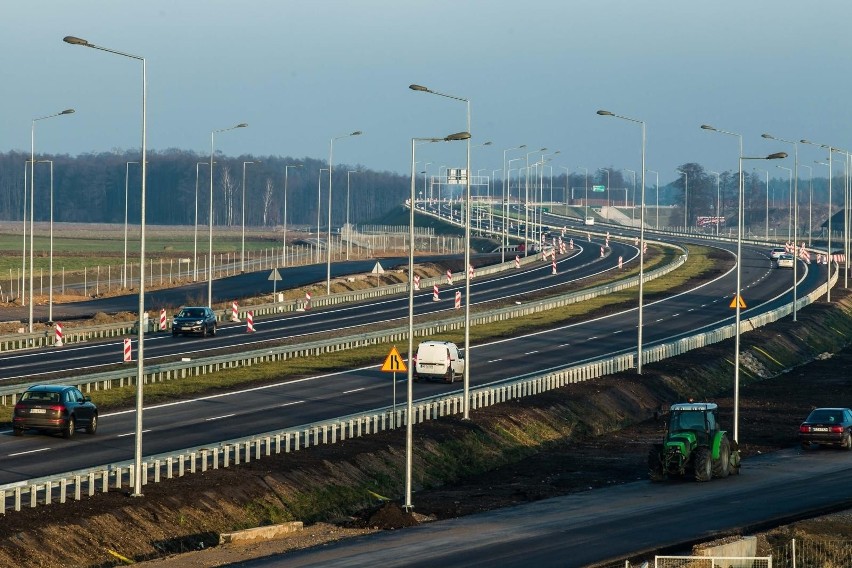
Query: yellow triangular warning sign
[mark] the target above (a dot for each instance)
(739, 299)
(394, 363)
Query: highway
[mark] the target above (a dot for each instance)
(209, 419)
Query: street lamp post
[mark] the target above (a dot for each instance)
(508, 196)
(126, 193)
(505, 204)
(789, 199)
(466, 405)
(409, 413)
(737, 295)
(140, 376)
(210, 215)
(606, 170)
(718, 202)
(794, 174)
(50, 266)
(319, 213)
(243, 239)
(348, 228)
(286, 170)
(527, 200)
(32, 202)
(586, 182)
(685, 200)
(831, 150)
(328, 245)
(766, 229)
(740, 136)
(810, 198)
(195, 231)
(641, 236)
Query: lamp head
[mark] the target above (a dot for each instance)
(75, 40)
(522, 146)
(767, 136)
(487, 143)
(356, 133)
(67, 111)
(458, 136)
(241, 125)
(419, 88)
(605, 113)
(803, 141)
(707, 127)
(777, 156)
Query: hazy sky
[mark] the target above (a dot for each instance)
(302, 72)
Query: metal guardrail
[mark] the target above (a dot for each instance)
(159, 467)
(182, 369)
(46, 338)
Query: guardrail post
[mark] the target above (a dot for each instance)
(169, 466)
(287, 442)
(48, 491)
(63, 490)
(78, 487)
(191, 463)
(33, 496)
(277, 443)
(257, 454)
(17, 498)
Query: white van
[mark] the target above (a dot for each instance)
(589, 221)
(438, 360)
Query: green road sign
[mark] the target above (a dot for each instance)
(598, 188)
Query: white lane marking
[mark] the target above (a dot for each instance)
(617, 331)
(131, 433)
(28, 452)
(530, 352)
(593, 337)
(354, 390)
(220, 417)
(564, 345)
(494, 361)
(290, 403)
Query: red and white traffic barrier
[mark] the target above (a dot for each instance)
(571, 244)
(162, 319)
(645, 247)
(235, 310)
(250, 322)
(517, 261)
(435, 293)
(127, 357)
(602, 252)
(307, 300)
(458, 300)
(416, 281)
(589, 235)
(620, 262)
(449, 278)
(470, 271)
(58, 335)
(553, 265)
(635, 241)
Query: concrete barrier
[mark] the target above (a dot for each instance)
(269, 532)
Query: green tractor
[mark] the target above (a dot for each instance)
(694, 445)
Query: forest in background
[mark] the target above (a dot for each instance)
(90, 188)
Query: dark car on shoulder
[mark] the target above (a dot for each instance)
(194, 320)
(827, 426)
(54, 408)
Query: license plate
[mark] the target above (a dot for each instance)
(38, 411)
(819, 429)
(187, 328)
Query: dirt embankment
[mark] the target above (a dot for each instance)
(574, 439)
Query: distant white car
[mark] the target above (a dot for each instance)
(776, 252)
(786, 261)
(589, 221)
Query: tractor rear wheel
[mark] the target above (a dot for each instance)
(655, 463)
(721, 466)
(703, 464)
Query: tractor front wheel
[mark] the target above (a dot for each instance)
(703, 464)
